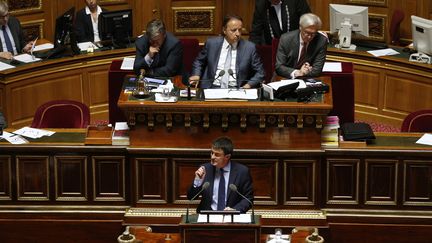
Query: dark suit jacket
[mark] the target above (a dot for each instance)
(239, 176)
(249, 67)
(288, 53)
(265, 13)
(167, 63)
(84, 27)
(17, 34)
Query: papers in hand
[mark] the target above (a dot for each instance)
(127, 63)
(42, 47)
(277, 85)
(26, 58)
(219, 218)
(242, 94)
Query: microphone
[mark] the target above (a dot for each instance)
(203, 187)
(231, 73)
(234, 188)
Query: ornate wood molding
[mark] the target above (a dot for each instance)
(194, 19)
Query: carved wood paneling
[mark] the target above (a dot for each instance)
(109, 179)
(300, 182)
(366, 81)
(417, 183)
(265, 177)
(151, 180)
(70, 178)
(5, 178)
(406, 93)
(343, 181)
(196, 20)
(32, 176)
(183, 173)
(24, 5)
(381, 182)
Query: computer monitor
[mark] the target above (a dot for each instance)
(117, 27)
(422, 35)
(345, 19)
(64, 28)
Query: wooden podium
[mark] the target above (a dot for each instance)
(219, 232)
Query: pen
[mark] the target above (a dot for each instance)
(32, 48)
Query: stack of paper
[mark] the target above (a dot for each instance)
(234, 94)
(120, 134)
(330, 132)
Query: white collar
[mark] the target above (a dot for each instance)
(87, 10)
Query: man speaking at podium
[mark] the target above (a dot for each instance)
(228, 61)
(218, 175)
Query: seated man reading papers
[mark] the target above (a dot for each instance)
(228, 61)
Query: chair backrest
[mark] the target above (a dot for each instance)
(418, 121)
(191, 49)
(264, 51)
(398, 16)
(61, 114)
(275, 44)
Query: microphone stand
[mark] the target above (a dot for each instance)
(204, 186)
(234, 188)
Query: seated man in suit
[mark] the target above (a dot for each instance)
(220, 173)
(302, 53)
(87, 22)
(158, 52)
(11, 34)
(228, 61)
(272, 18)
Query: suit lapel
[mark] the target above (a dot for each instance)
(217, 54)
(274, 22)
(284, 17)
(232, 177)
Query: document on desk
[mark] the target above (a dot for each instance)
(4, 66)
(33, 132)
(383, 52)
(332, 67)
(426, 139)
(26, 58)
(127, 63)
(231, 94)
(278, 84)
(42, 47)
(219, 218)
(85, 46)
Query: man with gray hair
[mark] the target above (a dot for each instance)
(302, 53)
(11, 34)
(158, 52)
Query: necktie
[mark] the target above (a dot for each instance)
(221, 191)
(302, 56)
(225, 77)
(7, 40)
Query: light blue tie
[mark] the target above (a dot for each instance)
(225, 77)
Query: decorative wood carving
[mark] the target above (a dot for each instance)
(369, 2)
(24, 5)
(33, 29)
(194, 19)
(377, 26)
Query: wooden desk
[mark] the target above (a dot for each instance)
(195, 112)
(81, 77)
(387, 88)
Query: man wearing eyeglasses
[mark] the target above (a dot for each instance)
(11, 34)
(302, 52)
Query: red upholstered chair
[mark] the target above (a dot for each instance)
(418, 121)
(61, 114)
(265, 52)
(398, 16)
(191, 49)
